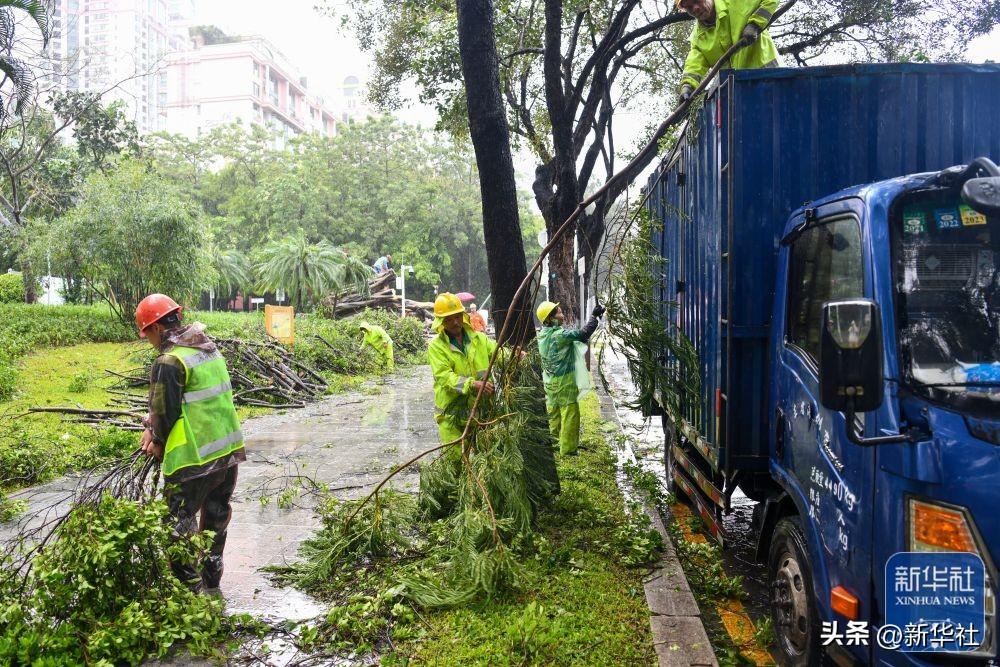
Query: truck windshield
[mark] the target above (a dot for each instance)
(945, 258)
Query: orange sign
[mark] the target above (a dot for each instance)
(279, 323)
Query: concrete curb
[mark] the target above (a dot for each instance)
(679, 635)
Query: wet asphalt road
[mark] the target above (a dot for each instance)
(347, 441)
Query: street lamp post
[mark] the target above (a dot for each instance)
(402, 276)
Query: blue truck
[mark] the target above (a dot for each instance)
(831, 238)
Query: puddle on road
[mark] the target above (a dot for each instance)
(376, 414)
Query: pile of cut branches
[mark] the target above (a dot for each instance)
(263, 374)
(87, 580)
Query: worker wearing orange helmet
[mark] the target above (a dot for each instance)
(192, 428)
(720, 24)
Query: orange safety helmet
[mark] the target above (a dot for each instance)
(152, 309)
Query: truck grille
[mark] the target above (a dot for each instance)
(940, 267)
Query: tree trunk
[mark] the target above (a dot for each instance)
(28, 274)
(564, 199)
(491, 140)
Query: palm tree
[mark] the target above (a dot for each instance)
(14, 70)
(308, 271)
(232, 270)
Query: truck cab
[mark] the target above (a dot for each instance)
(885, 402)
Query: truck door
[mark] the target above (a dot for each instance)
(829, 478)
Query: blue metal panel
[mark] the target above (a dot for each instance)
(789, 136)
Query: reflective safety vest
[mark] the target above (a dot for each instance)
(208, 428)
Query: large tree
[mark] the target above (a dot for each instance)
(491, 139)
(378, 186)
(133, 234)
(567, 66)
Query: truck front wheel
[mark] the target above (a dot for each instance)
(793, 609)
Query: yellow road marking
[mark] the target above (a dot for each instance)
(732, 612)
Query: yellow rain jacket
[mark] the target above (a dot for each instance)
(381, 342)
(708, 43)
(454, 371)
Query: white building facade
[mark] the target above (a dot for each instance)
(117, 47)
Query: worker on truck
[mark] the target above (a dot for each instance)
(459, 357)
(720, 24)
(193, 429)
(564, 371)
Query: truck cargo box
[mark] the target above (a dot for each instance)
(766, 142)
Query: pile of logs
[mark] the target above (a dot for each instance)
(381, 293)
(263, 374)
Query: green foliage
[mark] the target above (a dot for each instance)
(396, 576)
(25, 328)
(534, 637)
(11, 288)
(416, 40)
(19, 74)
(232, 270)
(702, 562)
(640, 328)
(344, 543)
(80, 382)
(109, 444)
(101, 132)
(102, 592)
(8, 379)
(646, 482)
(764, 634)
(11, 509)
(635, 541)
(133, 234)
(378, 186)
(344, 354)
(308, 271)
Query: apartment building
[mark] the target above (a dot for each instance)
(240, 78)
(117, 47)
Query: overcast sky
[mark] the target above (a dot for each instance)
(325, 54)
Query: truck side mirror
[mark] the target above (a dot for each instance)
(983, 194)
(850, 350)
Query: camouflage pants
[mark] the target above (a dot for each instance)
(200, 504)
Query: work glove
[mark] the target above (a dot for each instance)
(751, 33)
(686, 90)
(598, 311)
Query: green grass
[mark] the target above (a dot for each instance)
(37, 447)
(581, 605)
(57, 356)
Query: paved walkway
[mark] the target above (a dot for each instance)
(347, 441)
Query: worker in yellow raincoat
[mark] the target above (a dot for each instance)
(564, 371)
(719, 25)
(459, 357)
(379, 340)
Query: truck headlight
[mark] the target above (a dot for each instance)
(937, 527)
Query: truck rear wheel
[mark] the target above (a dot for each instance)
(793, 609)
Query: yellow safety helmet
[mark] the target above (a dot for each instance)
(447, 304)
(543, 311)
